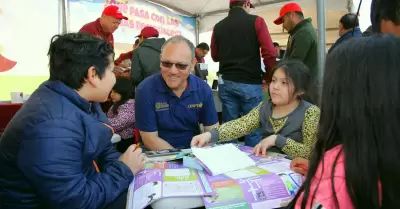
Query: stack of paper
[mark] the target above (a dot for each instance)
(222, 159)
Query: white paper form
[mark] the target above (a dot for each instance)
(222, 159)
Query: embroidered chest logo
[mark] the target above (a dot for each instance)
(162, 106)
(200, 105)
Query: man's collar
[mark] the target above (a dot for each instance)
(356, 31)
(237, 10)
(300, 25)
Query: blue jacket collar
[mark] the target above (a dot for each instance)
(348, 35)
(71, 95)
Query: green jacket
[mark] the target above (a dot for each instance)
(146, 59)
(302, 45)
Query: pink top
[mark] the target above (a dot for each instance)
(124, 122)
(324, 196)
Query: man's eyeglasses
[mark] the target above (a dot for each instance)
(180, 66)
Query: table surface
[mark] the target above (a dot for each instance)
(187, 202)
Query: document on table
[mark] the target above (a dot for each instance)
(222, 159)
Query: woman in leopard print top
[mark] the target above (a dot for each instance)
(288, 123)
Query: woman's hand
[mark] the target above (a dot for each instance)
(201, 140)
(299, 165)
(262, 147)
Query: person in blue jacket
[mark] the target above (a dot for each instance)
(348, 28)
(56, 151)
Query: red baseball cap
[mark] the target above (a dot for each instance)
(148, 32)
(113, 11)
(290, 7)
(246, 1)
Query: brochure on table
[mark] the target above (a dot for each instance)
(161, 180)
(268, 184)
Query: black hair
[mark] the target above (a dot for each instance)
(136, 42)
(236, 4)
(276, 44)
(123, 86)
(203, 46)
(296, 72)
(368, 31)
(384, 10)
(360, 111)
(299, 14)
(349, 21)
(72, 54)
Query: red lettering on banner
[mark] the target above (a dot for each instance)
(157, 20)
(161, 30)
(123, 7)
(128, 23)
(172, 21)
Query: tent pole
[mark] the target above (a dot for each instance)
(351, 6)
(66, 23)
(197, 30)
(63, 15)
(321, 43)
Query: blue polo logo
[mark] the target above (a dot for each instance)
(200, 105)
(162, 106)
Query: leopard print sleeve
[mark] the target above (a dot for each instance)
(309, 131)
(240, 127)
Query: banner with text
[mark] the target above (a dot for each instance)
(140, 14)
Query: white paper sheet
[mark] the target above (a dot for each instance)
(177, 172)
(222, 159)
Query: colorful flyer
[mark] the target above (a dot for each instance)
(268, 184)
(162, 180)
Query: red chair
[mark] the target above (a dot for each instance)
(7, 112)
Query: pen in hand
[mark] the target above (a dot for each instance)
(137, 146)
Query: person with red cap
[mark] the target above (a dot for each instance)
(235, 44)
(146, 58)
(106, 25)
(124, 62)
(302, 42)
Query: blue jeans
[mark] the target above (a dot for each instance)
(237, 99)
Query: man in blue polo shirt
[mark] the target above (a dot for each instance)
(171, 104)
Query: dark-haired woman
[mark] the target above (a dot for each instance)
(122, 113)
(288, 123)
(356, 160)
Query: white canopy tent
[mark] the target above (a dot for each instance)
(209, 12)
